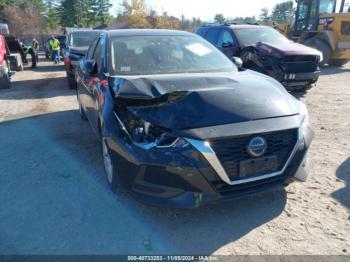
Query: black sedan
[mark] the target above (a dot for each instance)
(78, 43)
(180, 126)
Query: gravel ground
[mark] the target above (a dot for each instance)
(54, 198)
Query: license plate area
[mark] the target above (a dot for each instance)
(258, 166)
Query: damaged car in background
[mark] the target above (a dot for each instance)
(181, 126)
(267, 51)
(78, 42)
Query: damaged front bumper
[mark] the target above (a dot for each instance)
(193, 175)
(292, 72)
(293, 81)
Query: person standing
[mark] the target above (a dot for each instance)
(55, 48)
(35, 46)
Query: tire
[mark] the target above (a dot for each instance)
(5, 81)
(20, 68)
(110, 169)
(338, 62)
(321, 46)
(72, 84)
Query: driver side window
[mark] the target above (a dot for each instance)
(91, 50)
(225, 39)
(99, 54)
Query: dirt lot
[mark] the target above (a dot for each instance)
(54, 198)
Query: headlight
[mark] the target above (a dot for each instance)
(321, 57)
(147, 136)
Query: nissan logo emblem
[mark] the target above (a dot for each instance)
(257, 147)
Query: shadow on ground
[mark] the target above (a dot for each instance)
(43, 69)
(54, 200)
(343, 173)
(299, 94)
(333, 70)
(37, 89)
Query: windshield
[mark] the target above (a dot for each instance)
(251, 36)
(137, 55)
(82, 39)
(327, 6)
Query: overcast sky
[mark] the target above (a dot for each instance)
(206, 9)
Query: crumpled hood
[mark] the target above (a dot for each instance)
(280, 50)
(202, 100)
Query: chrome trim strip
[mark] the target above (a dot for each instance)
(170, 145)
(210, 155)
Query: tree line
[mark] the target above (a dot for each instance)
(31, 17)
(280, 13)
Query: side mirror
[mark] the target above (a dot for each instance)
(90, 67)
(238, 62)
(227, 45)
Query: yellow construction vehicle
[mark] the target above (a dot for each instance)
(318, 24)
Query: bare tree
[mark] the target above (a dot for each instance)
(23, 22)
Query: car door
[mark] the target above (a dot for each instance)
(227, 43)
(94, 82)
(91, 83)
(83, 92)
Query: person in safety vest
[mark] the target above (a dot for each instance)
(55, 49)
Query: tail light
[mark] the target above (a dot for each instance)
(2, 50)
(67, 60)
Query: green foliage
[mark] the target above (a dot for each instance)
(51, 16)
(265, 17)
(101, 12)
(283, 12)
(219, 18)
(84, 13)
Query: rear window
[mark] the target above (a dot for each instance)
(82, 39)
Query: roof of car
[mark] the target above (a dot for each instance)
(237, 26)
(153, 32)
(86, 31)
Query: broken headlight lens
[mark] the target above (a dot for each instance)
(147, 136)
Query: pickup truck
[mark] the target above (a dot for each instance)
(5, 75)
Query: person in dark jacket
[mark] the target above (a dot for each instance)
(35, 46)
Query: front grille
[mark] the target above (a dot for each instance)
(345, 28)
(231, 151)
(299, 64)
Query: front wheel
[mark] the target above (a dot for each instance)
(110, 169)
(321, 46)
